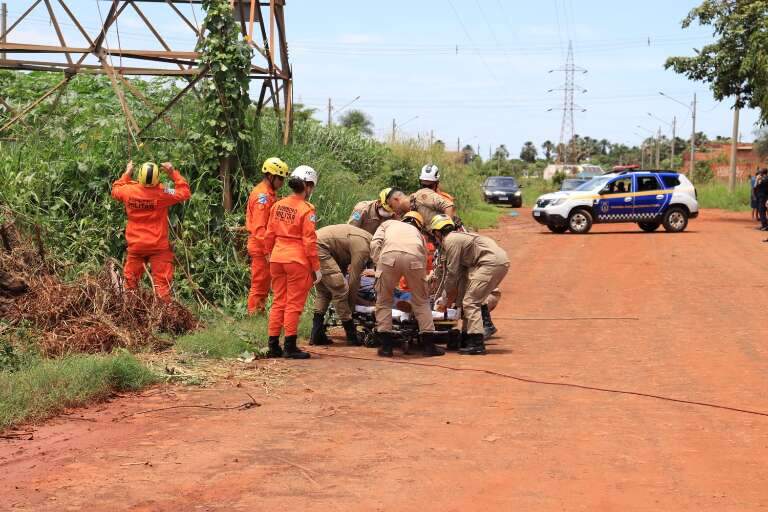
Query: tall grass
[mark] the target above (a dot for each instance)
(717, 195)
(47, 387)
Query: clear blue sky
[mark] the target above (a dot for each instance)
(401, 59)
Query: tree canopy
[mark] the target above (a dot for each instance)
(357, 120)
(736, 64)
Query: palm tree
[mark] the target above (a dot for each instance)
(548, 147)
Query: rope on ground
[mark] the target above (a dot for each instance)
(564, 318)
(242, 407)
(545, 383)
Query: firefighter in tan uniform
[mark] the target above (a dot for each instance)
(342, 248)
(427, 201)
(473, 267)
(369, 215)
(398, 249)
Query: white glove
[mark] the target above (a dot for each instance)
(318, 276)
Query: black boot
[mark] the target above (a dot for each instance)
(274, 347)
(454, 340)
(351, 331)
(488, 326)
(318, 336)
(292, 351)
(385, 343)
(475, 345)
(428, 344)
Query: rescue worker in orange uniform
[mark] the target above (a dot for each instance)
(294, 264)
(369, 215)
(260, 202)
(146, 205)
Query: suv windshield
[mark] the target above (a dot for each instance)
(501, 182)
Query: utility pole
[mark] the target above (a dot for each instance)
(672, 146)
(394, 130)
(458, 144)
(431, 137)
(693, 138)
(567, 129)
(330, 109)
(658, 149)
(642, 155)
(734, 149)
(3, 25)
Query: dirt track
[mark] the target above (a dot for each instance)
(371, 435)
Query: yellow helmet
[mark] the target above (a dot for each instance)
(149, 174)
(440, 221)
(415, 216)
(383, 199)
(275, 166)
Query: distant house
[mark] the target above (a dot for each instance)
(718, 156)
(572, 170)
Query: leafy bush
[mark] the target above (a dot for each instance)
(702, 173)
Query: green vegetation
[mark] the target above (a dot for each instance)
(43, 388)
(716, 195)
(734, 65)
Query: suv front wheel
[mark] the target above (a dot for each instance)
(580, 222)
(675, 220)
(557, 228)
(649, 227)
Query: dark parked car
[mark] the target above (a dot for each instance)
(502, 190)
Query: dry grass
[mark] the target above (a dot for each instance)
(89, 315)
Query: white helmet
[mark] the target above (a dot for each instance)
(430, 172)
(306, 173)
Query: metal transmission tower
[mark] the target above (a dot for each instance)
(566, 151)
(262, 24)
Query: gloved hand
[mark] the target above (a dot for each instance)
(318, 276)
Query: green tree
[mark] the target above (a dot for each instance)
(736, 64)
(528, 152)
(548, 148)
(357, 120)
(501, 153)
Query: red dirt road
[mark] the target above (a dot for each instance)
(372, 435)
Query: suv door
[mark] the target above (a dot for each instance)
(616, 203)
(650, 198)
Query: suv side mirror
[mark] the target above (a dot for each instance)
(521, 186)
(603, 191)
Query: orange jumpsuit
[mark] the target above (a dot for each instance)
(256, 217)
(147, 229)
(292, 244)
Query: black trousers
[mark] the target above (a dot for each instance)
(761, 210)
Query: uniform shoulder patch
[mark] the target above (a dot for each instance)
(263, 198)
(356, 215)
(170, 191)
(312, 217)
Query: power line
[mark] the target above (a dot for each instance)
(469, 37)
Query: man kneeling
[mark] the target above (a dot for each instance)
(474, 266)
(340, 247)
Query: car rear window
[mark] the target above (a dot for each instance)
(670, 181)
(501, 182)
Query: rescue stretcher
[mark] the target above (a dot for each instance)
(404, 325)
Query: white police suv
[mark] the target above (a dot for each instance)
(648, 198)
